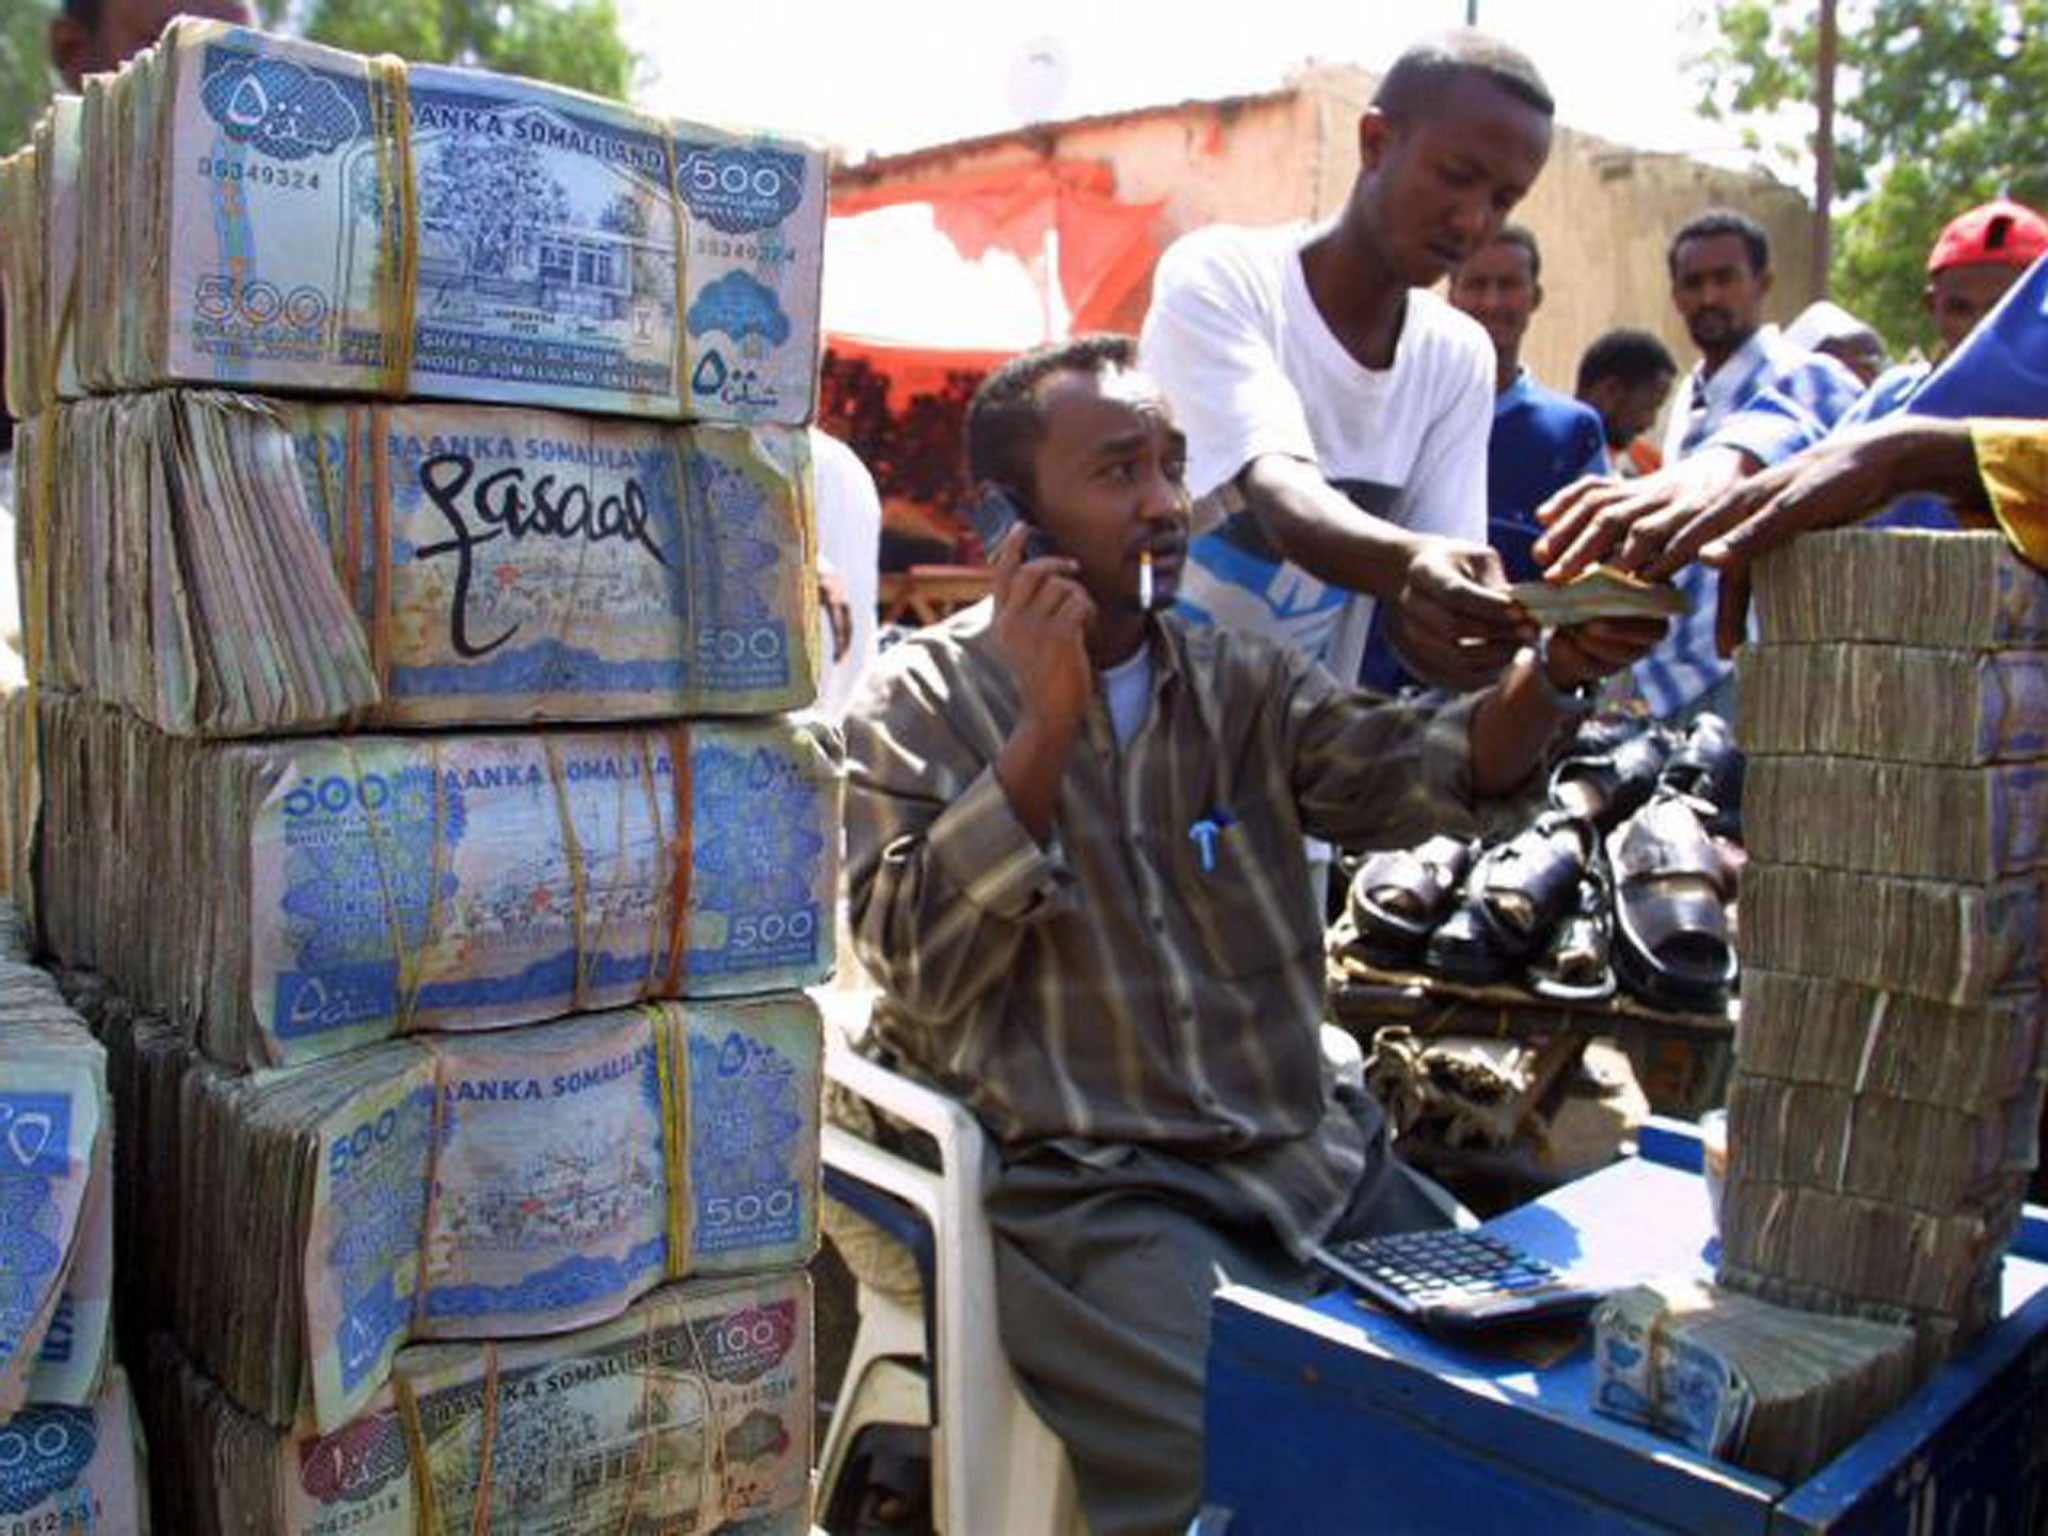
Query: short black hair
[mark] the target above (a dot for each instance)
(1522, 238)
(1724, 221)
(1004, 419)
(1422, 76)
(85, 12)
(1634, 357)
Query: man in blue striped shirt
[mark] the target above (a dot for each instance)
(1720, 276)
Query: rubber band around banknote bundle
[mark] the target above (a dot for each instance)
(579, 881)
(380, 548)
(430, 1206)
(680, 223)
(672, 1074)
(649, 1427)
(426, 1492)
(682, 854)
(410, 959)
(35, 597)
(398, 244)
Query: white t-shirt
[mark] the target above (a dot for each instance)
(850, 546)
(1251, 368)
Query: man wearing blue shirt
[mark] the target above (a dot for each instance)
(1541, 441)
(1720, 276)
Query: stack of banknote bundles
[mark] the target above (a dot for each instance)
(1882, 1126)
(1882, 1122)
(418, 783)
(68, 1450)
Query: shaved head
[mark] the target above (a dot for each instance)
(1422, 76)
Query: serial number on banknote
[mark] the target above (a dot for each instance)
(743, 250)
(260, 172)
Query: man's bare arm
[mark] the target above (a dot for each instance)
(1453, 620)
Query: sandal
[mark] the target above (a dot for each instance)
(1606, 787)
(1462, 949)
(1672, 943)
(1525, 885)
(1708, 767)
(1575, 966)
(1398, 896)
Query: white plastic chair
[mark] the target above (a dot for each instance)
(996, 1469)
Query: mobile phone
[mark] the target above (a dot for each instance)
(994, 513)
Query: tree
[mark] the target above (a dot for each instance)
(24, 68)
(1942, 104)
(567, 42)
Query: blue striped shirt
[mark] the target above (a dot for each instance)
(1798, 395)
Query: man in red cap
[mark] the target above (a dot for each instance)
(1979, 255)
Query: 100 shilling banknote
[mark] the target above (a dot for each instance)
(315, 220)
(689, 1413)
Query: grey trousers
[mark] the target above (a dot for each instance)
(1103, 1280)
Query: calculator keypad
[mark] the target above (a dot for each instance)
(1446, 1270)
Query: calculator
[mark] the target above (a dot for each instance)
(1455, 1279)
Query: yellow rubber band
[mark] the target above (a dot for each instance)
(398, 246)
(672, 1064)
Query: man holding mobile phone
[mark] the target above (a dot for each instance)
(1076, 868)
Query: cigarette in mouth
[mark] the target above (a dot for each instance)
(1145, 580)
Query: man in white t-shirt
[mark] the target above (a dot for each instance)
(1336, 410)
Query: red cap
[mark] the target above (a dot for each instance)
(1999, 233)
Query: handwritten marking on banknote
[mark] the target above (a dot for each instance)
(508, 507)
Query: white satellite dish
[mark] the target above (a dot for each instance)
(1038, 79)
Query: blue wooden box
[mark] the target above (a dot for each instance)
(1331, 1418)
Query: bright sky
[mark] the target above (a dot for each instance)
(888, 75)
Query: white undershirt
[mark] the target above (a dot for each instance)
(1127, 691)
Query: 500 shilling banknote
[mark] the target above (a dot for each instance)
(310, 219)
(229, 565)
(358, 888)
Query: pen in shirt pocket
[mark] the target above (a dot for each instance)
(1205, 831)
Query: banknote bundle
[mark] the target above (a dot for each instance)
(39, 258)
(74, 1468)
(20, 801)
(1893, 1044)
(305, 1225)
(1972, 825)
(1882, 1125)
(691, 1412)
(1774, 1390)
(263, 213)
(1902, 704)
(328, 893)
(56, 1192)
(1904, 587)
(227, 565)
